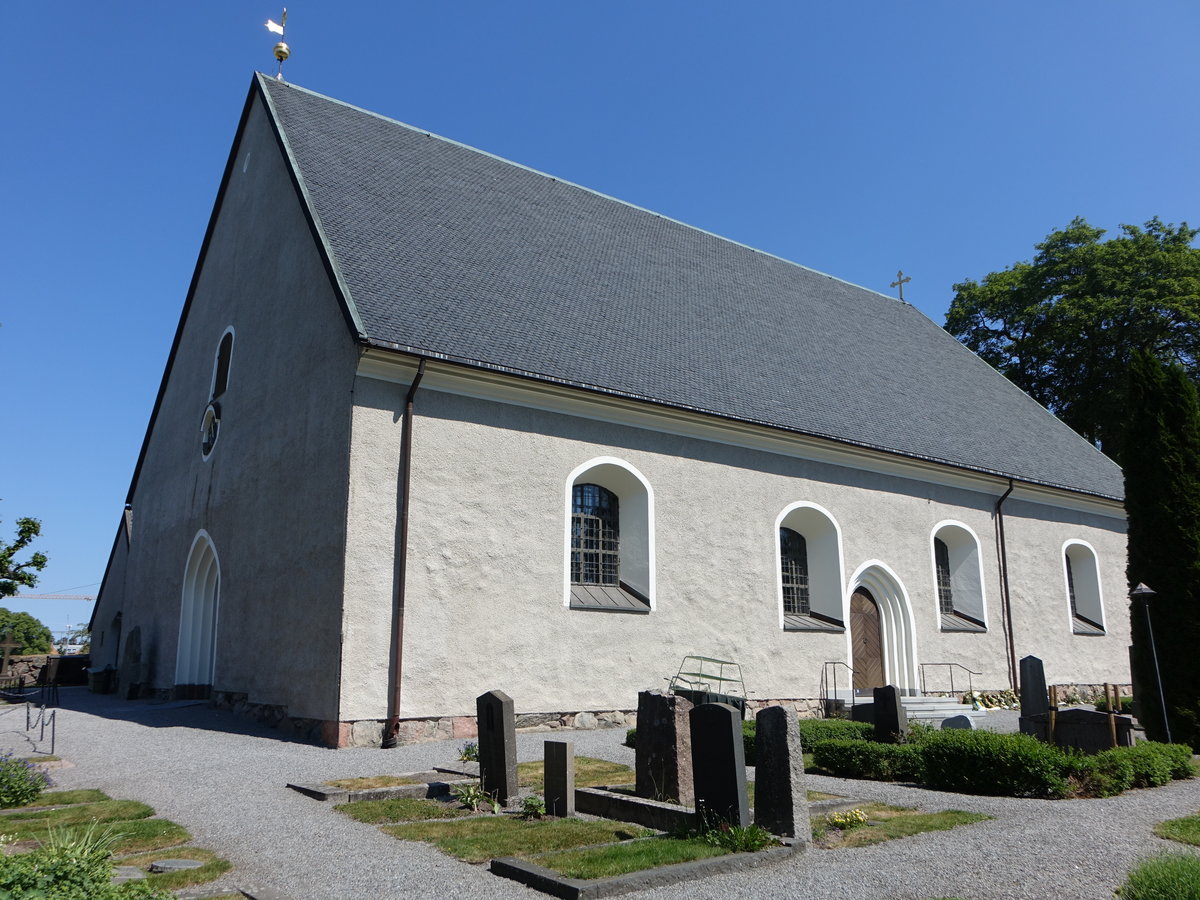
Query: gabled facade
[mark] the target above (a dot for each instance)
(434, 424)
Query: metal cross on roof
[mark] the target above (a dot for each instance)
(900, 281)
(7, 646)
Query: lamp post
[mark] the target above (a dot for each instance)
(1145, 593)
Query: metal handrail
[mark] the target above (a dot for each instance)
(825, 670)
(951, 666)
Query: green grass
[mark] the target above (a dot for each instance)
(1185, 830)
(589, 772)
(371, 781)
(480, 839)
(400, 809)
(102, 811)
(1172, 876)
(64, 798)
(618, 859)
(886, 823)
(213, 867)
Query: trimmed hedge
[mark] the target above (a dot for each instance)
(1002, 765)
(866, 759)
(814, 730)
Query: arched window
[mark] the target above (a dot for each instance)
(210, 425)
(609, 538)
(1083, 588)
(958, 576)
(221, 367)
(793, 572)
(595, 535)
(810, 569)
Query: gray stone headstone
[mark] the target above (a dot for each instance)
(664, 748)
(174, 865)
(497, 745)
(891, 721)
(780, 793)
(958, 722)
(1034, 699)
(718, 764)
(560, 777)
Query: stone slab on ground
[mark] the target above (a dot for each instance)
(174, 865)
(550, 882)
(433, 787)
(122, 874)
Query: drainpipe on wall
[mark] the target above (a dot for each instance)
(1008, 620)
(392, 729)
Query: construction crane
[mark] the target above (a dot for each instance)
(87, 597)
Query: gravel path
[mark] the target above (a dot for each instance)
(223, 779)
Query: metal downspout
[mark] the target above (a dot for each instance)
(391, 731)
(1008, 620)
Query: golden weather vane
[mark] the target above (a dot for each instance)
(901, 280)
(282, 51)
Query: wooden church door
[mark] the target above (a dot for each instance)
(866, 641)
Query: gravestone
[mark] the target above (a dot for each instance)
(718, 764)
(560, 777)
(1035, 701)
(780, 794)
(1082, 729)
(8, 646)
(664, 748)
(891, 721)
(497, 745)
(862, 712)
(956, 722)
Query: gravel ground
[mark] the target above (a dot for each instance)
(223, 779)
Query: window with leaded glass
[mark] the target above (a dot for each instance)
(1071, 588)
(595, 535)
(941, 558)
(793, 555)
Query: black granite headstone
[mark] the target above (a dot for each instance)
(497, 745)
(1034, 699)
(780, 796)
(719, 764)
(891, 721)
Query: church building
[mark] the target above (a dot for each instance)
(434, 423)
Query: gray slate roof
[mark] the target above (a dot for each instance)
(446, 250)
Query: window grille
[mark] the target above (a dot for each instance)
(941, 559)
(595, 535)
(793, 556)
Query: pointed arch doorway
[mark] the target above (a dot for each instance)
(883, 640)
(866, 641)
(198, 621)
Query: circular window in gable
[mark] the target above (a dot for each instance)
(210, 428)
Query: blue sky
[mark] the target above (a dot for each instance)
(856, 138)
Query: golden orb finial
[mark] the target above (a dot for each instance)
(281, 51)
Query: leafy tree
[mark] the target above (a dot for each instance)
(15, 575)
(1062, 326)
(1162, 499)
(32, 635)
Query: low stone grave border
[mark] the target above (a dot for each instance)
(428, 785)
(550, 882)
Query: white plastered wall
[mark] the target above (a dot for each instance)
(484, 594)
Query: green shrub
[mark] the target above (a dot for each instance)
(1126, 705)
(631, 737)
(1155, 764)
(1172, 876)
(70, 867)
(1004, 765)
(1102, 775)
(749, 733)
(21, 782)
(867, 759)
(814, 730)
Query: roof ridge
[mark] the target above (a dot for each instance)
(584, 188)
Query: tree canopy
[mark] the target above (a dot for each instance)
(15, 575)
(1162, 497)
(32, 635)
(1062, 327)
